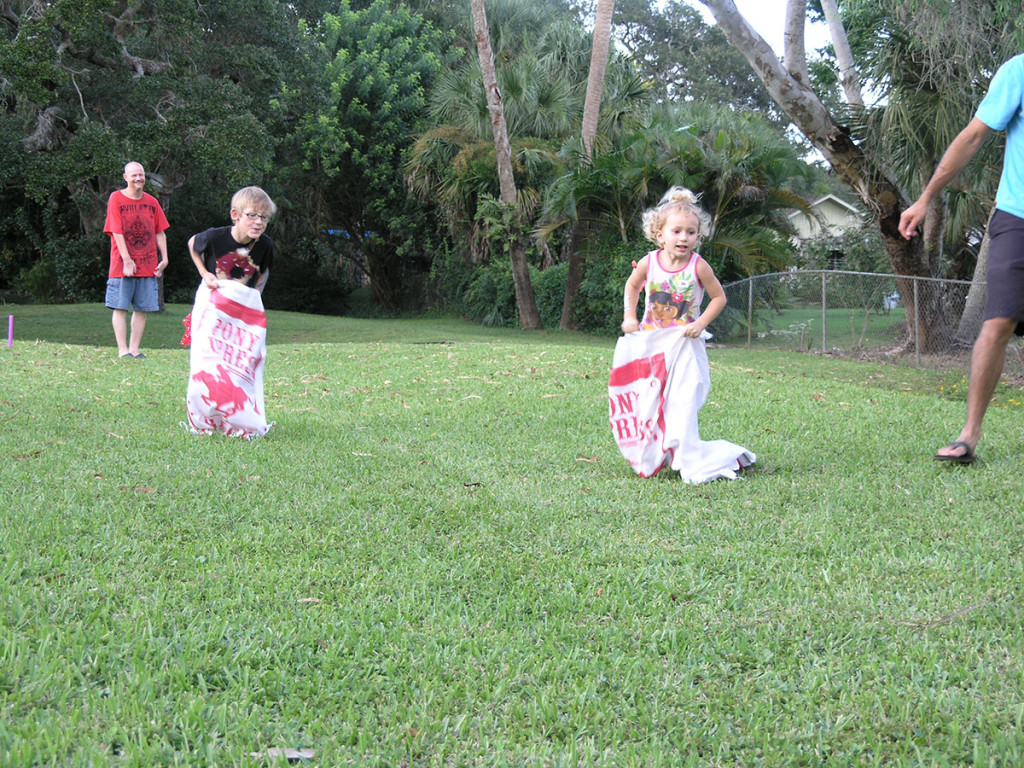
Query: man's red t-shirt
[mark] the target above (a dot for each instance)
(139, 221)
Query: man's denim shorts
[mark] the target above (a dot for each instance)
(140, 293)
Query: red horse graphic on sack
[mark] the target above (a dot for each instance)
(224, 395)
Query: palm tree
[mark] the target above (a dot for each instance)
(591, 113)
(745, 170)
(529, 315)
(595, 78)
(540, 79)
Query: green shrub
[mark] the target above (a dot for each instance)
(40, 282)
(549, 290)
(81, 264)
(598, 305)
(307, 285)
(730, 324)
(485, 293)
(450, 276)
(490, 297)
(854, 249)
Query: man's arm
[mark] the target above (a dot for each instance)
(963, 149)
(161, 247)
(122, 248)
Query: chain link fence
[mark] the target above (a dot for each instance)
(910, 320)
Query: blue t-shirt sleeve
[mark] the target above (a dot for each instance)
(1005, 95)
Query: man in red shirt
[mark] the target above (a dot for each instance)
(138, 256)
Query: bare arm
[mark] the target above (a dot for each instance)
(631, 296)
(208, 277)
(161, 247)
(713, 288)
(122, 248)
(963, 149)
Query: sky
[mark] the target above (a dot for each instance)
(768, 18)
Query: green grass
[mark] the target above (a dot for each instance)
(90, 324)
(437, 557)
(847, 329)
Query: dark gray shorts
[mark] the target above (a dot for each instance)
(1006, 269)
(140, 293)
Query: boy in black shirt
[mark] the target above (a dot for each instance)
(241, 252)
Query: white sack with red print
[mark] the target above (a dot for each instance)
(229, 345)
(658, 383)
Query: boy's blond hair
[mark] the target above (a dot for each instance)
(253, 199)
(676, 199)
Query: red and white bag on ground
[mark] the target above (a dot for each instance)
(229, 346)
(659, 381)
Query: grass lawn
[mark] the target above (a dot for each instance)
(799, 329)
(437, 557)
(89, 324)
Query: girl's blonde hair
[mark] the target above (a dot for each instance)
(676, 199)
(253, 197)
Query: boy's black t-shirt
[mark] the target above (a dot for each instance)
(227, 258)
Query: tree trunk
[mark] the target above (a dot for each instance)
(574, 276)
(526, 302)
(595, 78)
(384, 270)
(591, 115)
(794, 48)
(875, 186)
(844, 56)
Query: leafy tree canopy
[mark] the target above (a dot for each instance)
(381, 63)
(184, 88)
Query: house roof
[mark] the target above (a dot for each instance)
(831, 199)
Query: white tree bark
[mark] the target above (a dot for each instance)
(848, 76)
(974, 306)
(874, 184)
(794, 50)
(795, 96)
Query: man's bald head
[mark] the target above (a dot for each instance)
(135, 180)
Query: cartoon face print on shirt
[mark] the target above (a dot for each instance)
(668, 305)
(235, 265)
(659, 310)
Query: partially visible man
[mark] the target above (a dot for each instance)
(138, 256)
(1001, 109)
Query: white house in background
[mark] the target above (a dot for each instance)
(828, 216)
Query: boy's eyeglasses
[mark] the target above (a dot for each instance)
(252, 216)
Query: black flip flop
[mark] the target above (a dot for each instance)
(967, 457)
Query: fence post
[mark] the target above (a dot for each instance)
(824, 307)
(917, 323)
(750, 309)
